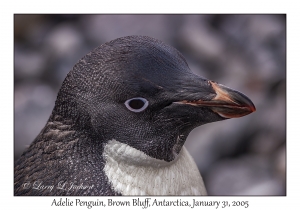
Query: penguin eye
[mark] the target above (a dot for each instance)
(136, 104)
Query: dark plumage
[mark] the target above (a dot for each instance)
(136, 90)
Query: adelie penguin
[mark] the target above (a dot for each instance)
(119, 125)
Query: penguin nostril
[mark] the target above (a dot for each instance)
(136, 104)
(168, 104)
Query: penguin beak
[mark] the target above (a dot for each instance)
(227, 103)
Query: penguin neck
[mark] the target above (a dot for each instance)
(132, 172)
(64, 136)
(56, 131)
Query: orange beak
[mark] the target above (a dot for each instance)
(227, 103)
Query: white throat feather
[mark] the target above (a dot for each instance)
(132, 172)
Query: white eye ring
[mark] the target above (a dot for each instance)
(136, 104)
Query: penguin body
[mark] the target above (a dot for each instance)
(119, 124)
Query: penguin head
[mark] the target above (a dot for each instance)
(141, 92)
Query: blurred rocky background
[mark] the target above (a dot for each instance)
(244, 156)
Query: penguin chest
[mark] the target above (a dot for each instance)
(132, 172)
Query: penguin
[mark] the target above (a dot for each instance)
(119, 124)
